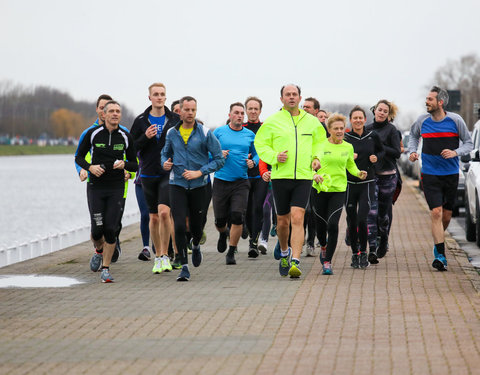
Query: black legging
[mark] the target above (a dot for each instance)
(309, 221)
(357, 205)
(256, 198)
(193, 202)
(327, 207)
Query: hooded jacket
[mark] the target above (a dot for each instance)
(299, 135)
(149, 149)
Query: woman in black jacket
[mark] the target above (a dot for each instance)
(368, 150)
(386, 174)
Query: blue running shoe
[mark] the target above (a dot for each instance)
(277, 252)
(327, 268)
(284, 265)
(440, 263)
(96, 261)
(435, 252)
(196, 256)
(106, 276)
(273, 231)
(184, 274)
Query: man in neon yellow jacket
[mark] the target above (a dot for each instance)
(286, 141)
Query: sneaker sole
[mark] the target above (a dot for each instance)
(107, 281)
(437, 264)
(182, 278)
(262, 249)
(252, 254)
(143, 257)
(294, 272)
(195, 263)
(157, 272)
(373, 259)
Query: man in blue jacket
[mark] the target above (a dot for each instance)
(185, 155)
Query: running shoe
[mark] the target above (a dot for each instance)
(372, 257)
(117, 252)
(166, 266)
(157, 267)
(222, 242)
(327, 268)
(96, 261)
(190, 246)
(262, 246)
(176, 264)
(277, 252)
(230, 257)
(355, 261)
(253, 250)
(363, 260)
(203, 239)
(184, 274)
(440, 262)
(294, 272)
(382, 246)
(310, 250)
(284, 264)
(323, 253)
(196, 256)
(106, 276)
(273, 231)
(144, 255)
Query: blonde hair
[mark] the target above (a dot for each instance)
(392, 109)
(334, 117)
(156, 84)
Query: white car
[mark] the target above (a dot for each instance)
(472, 189)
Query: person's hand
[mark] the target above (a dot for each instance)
(282, 156)
(267, 176)
(373, 158)
(355, 156)
(96, 170)
(362, 175)
(225, 153)
(318, 179)
(316, 164)
(250, 163)
(191, 175)
(168, 164)
(119, 164)
(83, 175)
(448, 154)
(151, 131)
(413, 156)
(127, 175)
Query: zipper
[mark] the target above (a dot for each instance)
(296, 147)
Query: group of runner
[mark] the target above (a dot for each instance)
(298, 168)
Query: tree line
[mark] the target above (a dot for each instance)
(43, 111)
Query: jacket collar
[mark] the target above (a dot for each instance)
(177, 127)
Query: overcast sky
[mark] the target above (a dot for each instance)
(221, 52)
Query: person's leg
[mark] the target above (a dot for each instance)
(112, 211)
(335, 206)
(351, 204)
(259, 193)
(386, 189)
(179, 213)
(221, 204)
(144, 218)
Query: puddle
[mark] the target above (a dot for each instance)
(36, 281)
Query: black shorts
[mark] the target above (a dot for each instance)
(440, 191)
(156, 190)
(288, 193)
(229, 196)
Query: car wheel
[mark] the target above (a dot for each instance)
(470, 229)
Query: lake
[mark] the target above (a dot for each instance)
(42, 195)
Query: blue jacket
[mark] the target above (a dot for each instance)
(192, 156)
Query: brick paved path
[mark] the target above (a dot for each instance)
(399, 317)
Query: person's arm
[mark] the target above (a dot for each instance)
(379, 150)
(464, 135)
(263, 145)
(139, 136)
(167, 151)
(131, 163)
(217, 161)
(393, 150)
(351, 166)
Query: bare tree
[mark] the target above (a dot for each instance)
(463, 75)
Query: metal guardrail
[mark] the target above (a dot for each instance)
(53, 242)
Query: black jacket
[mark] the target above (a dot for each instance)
(150, 150)
(390, 138)
(364, 145)
(105, 149)
(253, 126)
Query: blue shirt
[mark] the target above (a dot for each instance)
(240, 145)
(159, 122)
